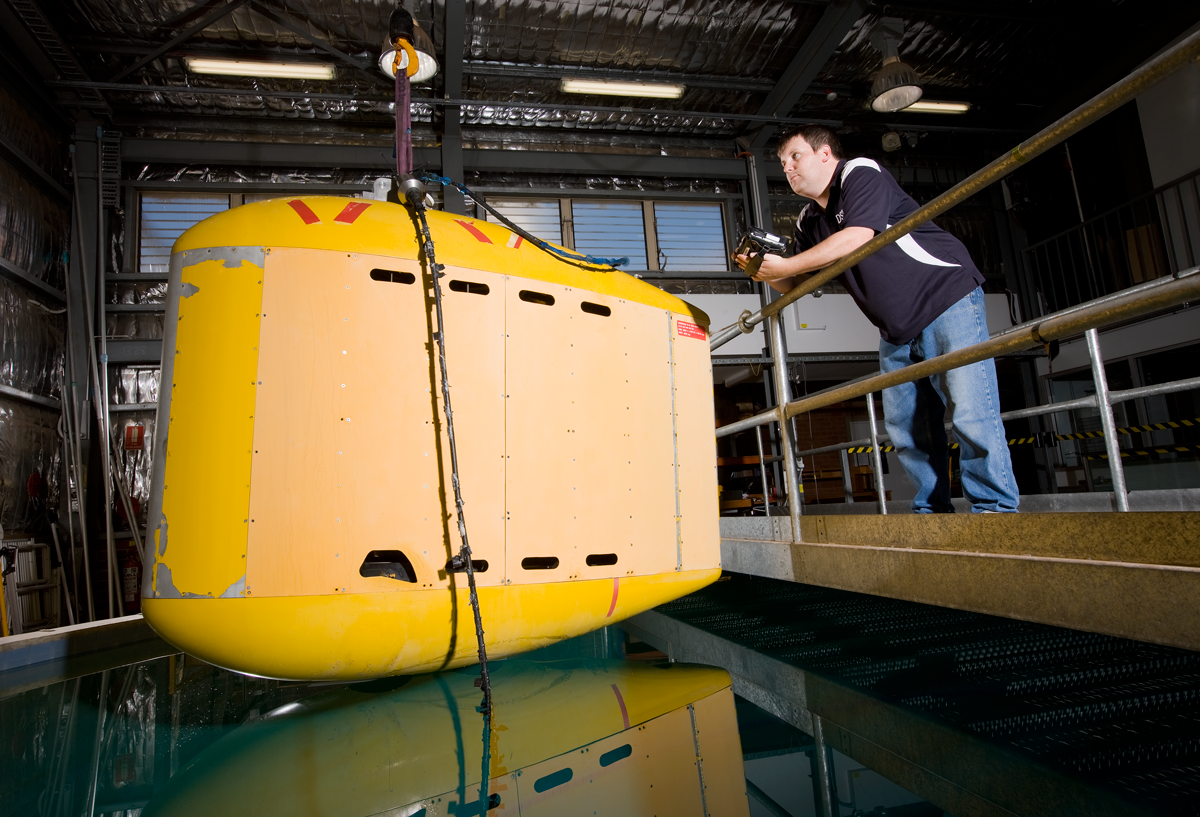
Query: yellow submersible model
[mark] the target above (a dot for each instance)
(302, 521)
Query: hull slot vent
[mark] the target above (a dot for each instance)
(532, 297)
(539, 563)
(595, 309)
(620, 753)
(388, 564)
(601, 559)
(469, 287)
(393, 277)
(480, 565)
(552, 780)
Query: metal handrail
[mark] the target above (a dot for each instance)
(1100, 217)
(1090, 401)
(1169, 292)
(1104, 103)
(1085, 319)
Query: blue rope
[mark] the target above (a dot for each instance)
(532, 239)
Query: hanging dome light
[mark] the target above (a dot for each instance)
(897, 85)
(403, 26)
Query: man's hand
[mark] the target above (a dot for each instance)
(773, 268)
(783, 273)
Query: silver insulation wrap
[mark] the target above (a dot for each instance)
(133, 395)
(33, 240)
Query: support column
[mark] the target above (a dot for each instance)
(452, 149)
(81, 274)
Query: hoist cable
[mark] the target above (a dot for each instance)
(579, 259)
(463, 559)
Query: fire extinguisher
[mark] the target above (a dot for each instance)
(131, 583)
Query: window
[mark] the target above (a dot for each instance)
(165, 217)
(542, 218)
(691, 237)
(611, 229)
(680, 237)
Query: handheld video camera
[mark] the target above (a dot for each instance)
(757, 242)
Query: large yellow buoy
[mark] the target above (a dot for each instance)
(300, 526)
(612, 738)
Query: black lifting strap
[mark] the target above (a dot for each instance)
(414, 194)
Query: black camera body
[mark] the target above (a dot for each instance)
(756, 243)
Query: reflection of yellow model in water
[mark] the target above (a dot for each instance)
(299, 522)
(571, 738)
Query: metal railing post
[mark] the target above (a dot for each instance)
(762, 472)
(847, 482)
(783, 395)
(1104, 404)
(825, 796)
(876, 457)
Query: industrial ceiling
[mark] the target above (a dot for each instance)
(747, 65)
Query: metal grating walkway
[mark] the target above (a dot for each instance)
(977, 714)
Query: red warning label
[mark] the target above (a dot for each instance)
(690, 330)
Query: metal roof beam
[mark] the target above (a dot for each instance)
(825, 37)
(195, 28)
(187, 15)
(452, 75)
(34, 55)
(380, 157)
(283, 20)
(41, 42)
(659, 113)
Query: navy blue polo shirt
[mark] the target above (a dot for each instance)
(906, 285)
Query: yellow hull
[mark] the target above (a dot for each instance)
(360, 636)
(301, 442)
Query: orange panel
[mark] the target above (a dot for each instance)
(345, 457)
(720, 748)
(590, 468)
(658, 777)
(697, 449)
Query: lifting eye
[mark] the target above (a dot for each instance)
(529, 296)
(388, 564)
(393, 276)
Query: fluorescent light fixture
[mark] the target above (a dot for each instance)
(658, 90)
(253, 68)
(930, 106)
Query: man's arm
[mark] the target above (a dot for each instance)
(782, 273)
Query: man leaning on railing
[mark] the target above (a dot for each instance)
(924, 294)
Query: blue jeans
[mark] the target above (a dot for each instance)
(915, 416)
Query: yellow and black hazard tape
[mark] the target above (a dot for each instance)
(1149, 452)
(1085, 435)
(1093, 435)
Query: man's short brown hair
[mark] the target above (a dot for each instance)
(817, 137)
